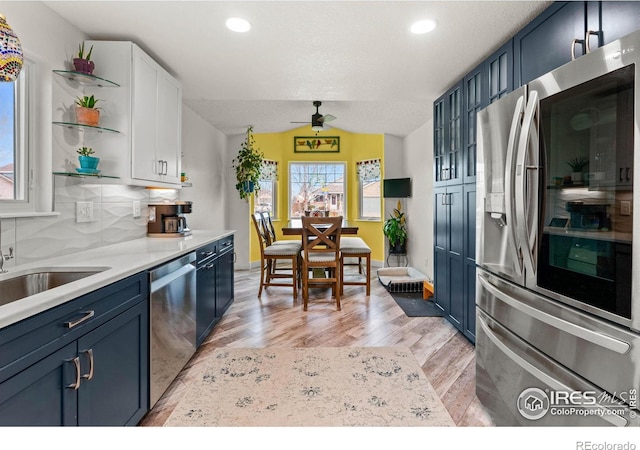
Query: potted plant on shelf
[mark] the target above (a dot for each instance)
(395, 230)
(88, 163)
(82, 63)
(248, 167)
(577, 166)
(86, 111)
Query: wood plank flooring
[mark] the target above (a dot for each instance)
(276, 320)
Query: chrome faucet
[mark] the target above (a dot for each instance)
(3, 258)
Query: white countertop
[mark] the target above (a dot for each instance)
(122, 260)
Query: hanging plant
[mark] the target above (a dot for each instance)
(248, 167)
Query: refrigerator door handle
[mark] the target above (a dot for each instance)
(509, 168)
(596, 338)
(526, 237)
(554, 384)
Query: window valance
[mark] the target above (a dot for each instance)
(368, 169)
(269, 171)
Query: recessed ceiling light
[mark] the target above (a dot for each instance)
(423, 26)
(238, 25)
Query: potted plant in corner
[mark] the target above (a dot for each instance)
(82, 63)
(248, 167)
(394, 229)
(88, 163)
(86, 111)
(577, 166)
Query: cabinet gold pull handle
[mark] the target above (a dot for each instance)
(76, 385)
(621, 169)
(586, 39)
(87, 315)
(573, 47)
(628, 178)
(89, 375)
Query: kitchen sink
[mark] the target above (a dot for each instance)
(30, 282)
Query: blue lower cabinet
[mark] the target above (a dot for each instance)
(85, 362)
(116, 394)
(42, 395)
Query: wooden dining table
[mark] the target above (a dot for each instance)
(294, 228)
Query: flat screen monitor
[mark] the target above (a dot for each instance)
(396, 187)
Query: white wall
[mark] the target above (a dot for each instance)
(204, 162)
(237, 210)
(418, 152)
(394, 167)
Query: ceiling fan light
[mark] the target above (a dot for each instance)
(238, 24)
(317, 128)
(423, 26)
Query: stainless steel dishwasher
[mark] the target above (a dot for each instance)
(173, 322)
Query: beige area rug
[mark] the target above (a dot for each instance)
(373, 386)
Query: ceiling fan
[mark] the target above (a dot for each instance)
(317, 119)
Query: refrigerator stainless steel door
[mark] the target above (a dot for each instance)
(499, 129)
(580, 247)
(511, 375)
(603, 353)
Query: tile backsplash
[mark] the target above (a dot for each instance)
(36, 238)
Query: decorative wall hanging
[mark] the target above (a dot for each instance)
(314, 144)
(11, 58)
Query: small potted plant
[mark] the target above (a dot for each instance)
(577, 166)
(82, 63)
(86, 111)
(394, 228)
(248, 167)
(88, 163)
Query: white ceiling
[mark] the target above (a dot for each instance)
(357, 57)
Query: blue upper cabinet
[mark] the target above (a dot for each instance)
(550, 40)
(475, 98)
(608, 21)
(447, 137)
(568, 30)
(499, 73)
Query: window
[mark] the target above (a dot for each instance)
(14, 143)
(317, 186)
(369, 180)
(266, 198)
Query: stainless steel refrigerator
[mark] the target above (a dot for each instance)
(558, 279)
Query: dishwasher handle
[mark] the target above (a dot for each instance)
(158, 284)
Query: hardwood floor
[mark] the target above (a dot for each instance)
(276, 320)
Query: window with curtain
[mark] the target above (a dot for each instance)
(266, 199)
(368, 176)
(317, 186)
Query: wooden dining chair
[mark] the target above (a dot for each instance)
(270, 231)
(270, 255)
(321, 254)
(351, 248)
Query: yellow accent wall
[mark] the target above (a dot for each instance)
(353, 147)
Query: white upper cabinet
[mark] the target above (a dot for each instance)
(148, 110)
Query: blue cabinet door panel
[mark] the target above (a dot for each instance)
(40, 395)
(116, 393)
(545, 44)
(616, 19)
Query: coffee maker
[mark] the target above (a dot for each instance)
(167, 219)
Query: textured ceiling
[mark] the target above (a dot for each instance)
(357, 57)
